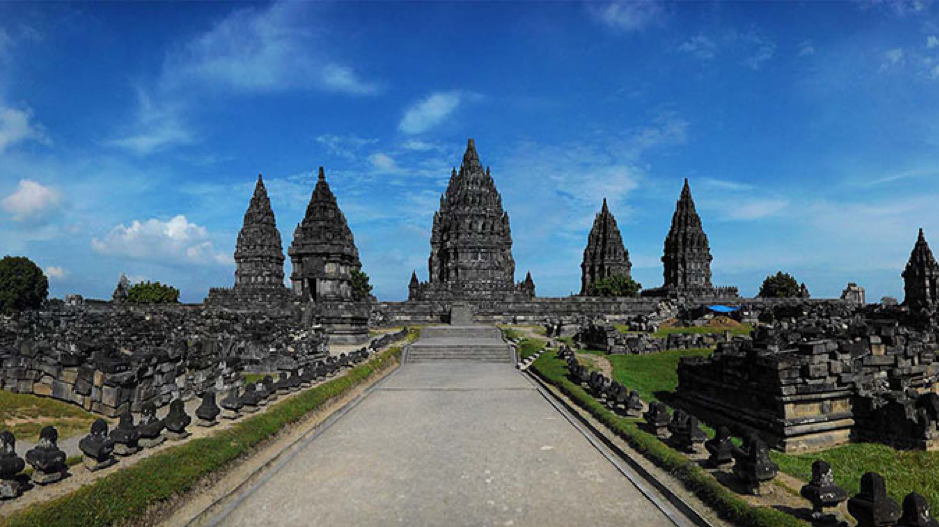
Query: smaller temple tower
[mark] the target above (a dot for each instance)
(259, 260)
(323, 252)
(687, 255)
(920, 276)
(605, 254)
(259, 253)
(324, 255)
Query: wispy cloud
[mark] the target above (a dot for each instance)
(429, 111)
(17, 126)
(700, 46)
(806, 48)
(345, 146)
(256, 50)
(55, 272)
(628, 15)
(752, 47)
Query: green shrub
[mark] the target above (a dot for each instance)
(361, 289)
(23, 285)
(616, 285)
(152, 293)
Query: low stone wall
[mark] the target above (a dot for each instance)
(828, 376)
(605, 337)
(106, 357)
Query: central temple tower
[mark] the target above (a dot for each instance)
(471, 241)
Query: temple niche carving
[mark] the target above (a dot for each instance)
(323, 255)
(920, 275)
(687, 257)
(471, 242)
(605, 254)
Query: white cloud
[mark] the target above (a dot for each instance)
(699, 46)
(173, 241)
(760, 47)
(668, 128)
(416, 145)
(723, 184)
(56, 273)
(754, 209)
(932, 42)
(429, 112)
(383, 162)
(347, 146)
(628, 15)
(16, 126)
(31, 200)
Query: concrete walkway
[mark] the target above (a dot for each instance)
(448, 443)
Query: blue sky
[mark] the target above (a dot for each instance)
(131, 134)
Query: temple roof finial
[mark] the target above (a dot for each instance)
(322, 175)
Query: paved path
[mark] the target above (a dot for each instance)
(449, 443)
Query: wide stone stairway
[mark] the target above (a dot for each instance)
(460, 343)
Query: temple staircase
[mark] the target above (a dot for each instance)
(460, 344)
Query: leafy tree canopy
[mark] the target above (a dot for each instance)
(152, 293)
(361, 289)
(616, 285)
(23, 285)
(780, 285)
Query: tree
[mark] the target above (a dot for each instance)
(152, 293)
(361, 289)
(616, 285)
(780, 285)
(23, 285)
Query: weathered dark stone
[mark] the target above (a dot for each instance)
(231, 404)
(176, 421)
(97, 447)
(125, 435)
(10, 466)
(753, 466)
(872, 507)
(720, 447)
(207, 412)
(657, 419)
(823, 493)
(47, 459)
(916, 512)
(686, 434)
(150, 427)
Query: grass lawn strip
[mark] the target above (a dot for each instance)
(25, 415)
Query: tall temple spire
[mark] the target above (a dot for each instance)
(471, 241)
(259, 254)
(920, 276)
(323, 252)
(687, 255)
(605, 254)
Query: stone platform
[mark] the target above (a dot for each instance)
(460, 343)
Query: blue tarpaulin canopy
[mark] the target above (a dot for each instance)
(722, 309)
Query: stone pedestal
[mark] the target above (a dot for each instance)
(93, 464)
(45, 478)
(121, 449)
(249, 409)
(10, 488)
(206, 424)
(148, 442)
(176, 436)
(230, 414)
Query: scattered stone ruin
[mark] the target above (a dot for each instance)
(108, 358)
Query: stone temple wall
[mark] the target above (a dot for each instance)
(817, 376)
(106, 357)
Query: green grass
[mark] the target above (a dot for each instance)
(253, 378)
(724, 501)
(25, 415)
(512, 334)
(651, 375)
(528, 347)
(126, 494)
(905, 471)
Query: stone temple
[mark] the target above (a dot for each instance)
(687, 257)
(605, 254)
(920, 276)
(471, 241)
(323, 255)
